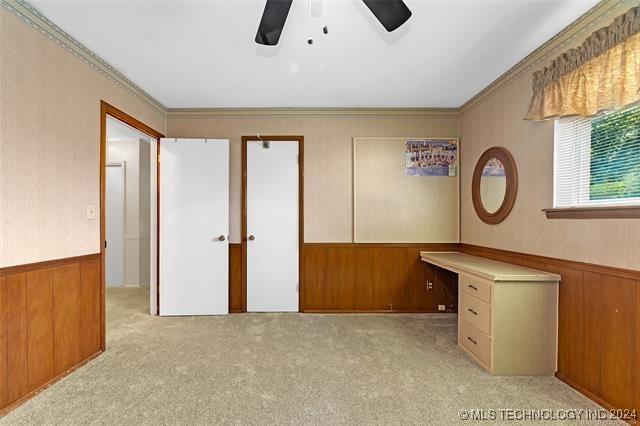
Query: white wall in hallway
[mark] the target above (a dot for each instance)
(136, 155)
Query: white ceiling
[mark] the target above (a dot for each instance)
(201, 53)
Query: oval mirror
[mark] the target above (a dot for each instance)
(495, 185)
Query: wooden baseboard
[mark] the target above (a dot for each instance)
(592, 397)
(15, 404)
(583, 391)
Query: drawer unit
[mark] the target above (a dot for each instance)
(475, 312)
(507, 314)
(478, 343)
(477, 287)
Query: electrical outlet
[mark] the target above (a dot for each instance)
(429, 285)
(442, 308)
(91, 212)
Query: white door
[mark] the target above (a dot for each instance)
(272, 226)
(115, 206)
(194, 227)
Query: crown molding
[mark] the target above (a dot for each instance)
(209, 113)
(32, 17)
(578, 28)
(568, 35)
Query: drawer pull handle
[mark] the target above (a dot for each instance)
(472, 311)
(473, 287)
(472, 341)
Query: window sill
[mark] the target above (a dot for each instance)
(609, 212)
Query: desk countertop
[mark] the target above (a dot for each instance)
(485, 268)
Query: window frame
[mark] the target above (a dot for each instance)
(626, 208)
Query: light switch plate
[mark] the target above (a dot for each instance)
(91, 212)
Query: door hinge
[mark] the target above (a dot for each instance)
(105, 243)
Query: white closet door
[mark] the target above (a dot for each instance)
(272, 227)
(194, 227)
(115, 205)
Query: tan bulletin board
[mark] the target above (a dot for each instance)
(390, 206)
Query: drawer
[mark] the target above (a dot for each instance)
(475, 312)
(476, 342)
(475, 286)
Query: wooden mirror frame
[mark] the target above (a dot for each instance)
(511, 189)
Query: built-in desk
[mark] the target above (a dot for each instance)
(507, 314)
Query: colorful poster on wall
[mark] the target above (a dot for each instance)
(431, 157)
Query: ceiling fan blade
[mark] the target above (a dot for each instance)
(272, 22)
(391, 13)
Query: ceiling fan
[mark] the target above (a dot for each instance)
(391, 14)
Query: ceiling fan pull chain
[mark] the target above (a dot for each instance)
(309, 39)
(325, 28)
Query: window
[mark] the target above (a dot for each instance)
(597, 160)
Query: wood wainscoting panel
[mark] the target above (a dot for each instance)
(236, 296)
(50, 315)
(345, 277)
(3, 343)
(571, 336)
(17, 351)
(594, 326)
(40, 327)
(67, 316)
(598, 328)
(618, 342)
(90, 305)
(419, 297)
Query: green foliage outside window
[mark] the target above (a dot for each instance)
(615, 155)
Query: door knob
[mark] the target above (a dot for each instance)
(251, 238)
(221, 238)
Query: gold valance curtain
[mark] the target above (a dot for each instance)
(602, 74)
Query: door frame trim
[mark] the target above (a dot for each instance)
(270, 138)
(107, 109)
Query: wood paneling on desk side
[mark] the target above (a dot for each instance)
(374, 278)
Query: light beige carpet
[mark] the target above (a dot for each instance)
(281, 369)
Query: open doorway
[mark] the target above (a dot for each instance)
(129, 213)
(128, 206)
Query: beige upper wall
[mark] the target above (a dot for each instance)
(391, 206)
(497, 121)
(50, 145)
(49, 156)
(327, 159)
